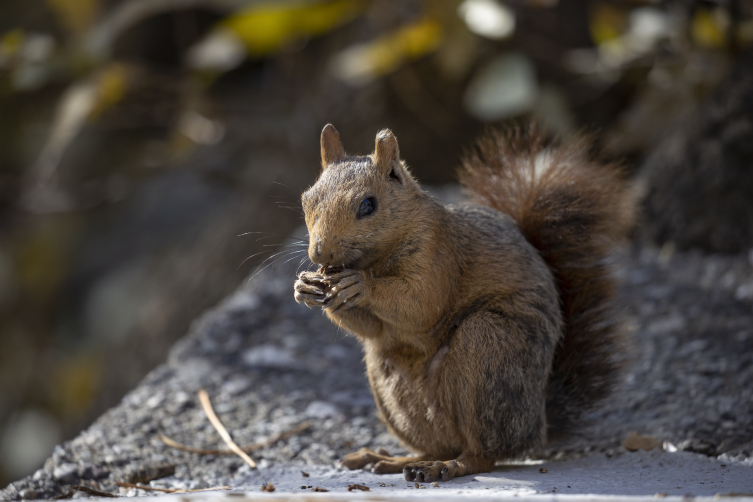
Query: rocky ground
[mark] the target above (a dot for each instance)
(270, 365)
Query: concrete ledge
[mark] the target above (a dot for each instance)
(356, 497)
(269, 364)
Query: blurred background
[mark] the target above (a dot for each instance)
(140, 138)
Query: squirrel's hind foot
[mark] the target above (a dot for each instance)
(382, 461)
(417, 468)
(464, 465)
(364, 456)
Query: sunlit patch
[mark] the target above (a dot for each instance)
(488, 18)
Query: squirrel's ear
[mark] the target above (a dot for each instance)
(387, 155)
(332, 149)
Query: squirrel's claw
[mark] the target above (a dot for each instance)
(345, 290)
(309, 289)
(344, 302)
(425, 472)
(309, 294)
(311, 277)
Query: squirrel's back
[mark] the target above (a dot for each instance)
(573, 211)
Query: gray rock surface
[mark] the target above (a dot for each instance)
(269, 364)
(700, 180)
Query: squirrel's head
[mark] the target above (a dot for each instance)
(360, 207)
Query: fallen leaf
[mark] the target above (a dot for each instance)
(356, 486)
(361, 63)
(635, 442)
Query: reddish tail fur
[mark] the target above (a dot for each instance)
(574, 212)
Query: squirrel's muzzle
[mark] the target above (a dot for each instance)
(318, 252)
(324, 252)
(316, 248)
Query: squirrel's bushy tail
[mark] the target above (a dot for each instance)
(573, 211)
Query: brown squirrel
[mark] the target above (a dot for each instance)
(488, 328)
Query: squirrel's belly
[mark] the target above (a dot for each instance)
(409, 405)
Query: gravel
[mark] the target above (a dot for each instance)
(269, 364)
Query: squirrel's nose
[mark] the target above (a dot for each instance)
(316, 250)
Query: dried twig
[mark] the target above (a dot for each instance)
(144, 487)
(169, 490)
(92, 491)
(248, 449)
(356, 486)
(201, 451)
(147, 473)
(207, 405)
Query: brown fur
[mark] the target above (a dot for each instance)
(574, 215)
(458, 313)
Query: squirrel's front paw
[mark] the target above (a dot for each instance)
(347, 289)
(310, 289)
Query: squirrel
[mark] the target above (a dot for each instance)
(487, 328)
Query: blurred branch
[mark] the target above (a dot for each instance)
(74, 107)
(83, 100)
(361, 63)
(127, 14)
(89, 96)
(101, 38)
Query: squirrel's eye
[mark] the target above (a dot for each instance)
(367, 207)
